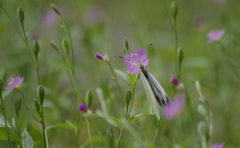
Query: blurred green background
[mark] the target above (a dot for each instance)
(100, 26)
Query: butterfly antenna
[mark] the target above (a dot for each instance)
(149, 46)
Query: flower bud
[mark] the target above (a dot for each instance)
(109, 138)
(55, 9)
(17, 106)
(65, 47)
(41, 94)
(20, 14)
(203, 111)
(35, 47)
(128, 97)
(126, 45)
(54, 45)
(174, 9)
(180, 55)
(89, 99)
(124, 52)
(198, 88)
(1, 87)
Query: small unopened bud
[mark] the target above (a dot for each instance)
(128, 97)
(126, 45)
(109, 138)
(203, 111)
(20, 14)
(17, 106)
(35, 47)
(1, 87)
(54, 45)
(124, 52)
(65, 47)
(180, 54)
(41, 94)
(37, 106)
(89, 99)
(174, 9)
(55, 9)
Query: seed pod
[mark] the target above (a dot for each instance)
(124, 52)
(55, 9)
(180, 54)
(89, 99)
(35, 48)
(65, 47)
(126, 45)
(20, 14)
(110, 138)
(41, 94)
(128, 97)
(174, 9)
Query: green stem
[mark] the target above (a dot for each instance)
(44, 134)
(120, 137)
(131, 102)
(4, 115)
(89, 132)
(28, 108)
(112, 71)
(155, 136)
(176, 45)
(168, 15)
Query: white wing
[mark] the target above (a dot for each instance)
(159, 92)
(151, 97)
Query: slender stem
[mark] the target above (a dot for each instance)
(133, 90)
(76, 139)
(168, 15)
(120, 137)
(176, 44)
(44, 134)
(155, 136)
(12, 22)
(111, 68)
(89, 131)
(3, 110)
(27, 106)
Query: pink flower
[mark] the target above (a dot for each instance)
(14, 83)
(175, 81)
(94, 14)
(198, 21)
(101, 57)
(49, 18)
(134, 61)
(171, 110)
(34, 37)
(215, 35)
(217, 145)
(82, 107)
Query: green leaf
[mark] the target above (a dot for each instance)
(68, 125)
(125, 77)
(138, 116)
(186, 142)
(27, 140)
(3, 126)
(13, 137)
(132, 77)
(111, 120)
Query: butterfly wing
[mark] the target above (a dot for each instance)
(151, 96)
(158, 91)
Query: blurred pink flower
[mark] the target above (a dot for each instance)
(34, 37)
(217, 145)
(215, 35)
(50, 18)
(175, 81)
(101, 57)
(135, 60)
(94, 14)
(171, 110)
(198, 21)
(219, 2)
(82, 107)
(13, 83)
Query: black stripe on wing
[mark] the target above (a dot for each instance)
(161, 97)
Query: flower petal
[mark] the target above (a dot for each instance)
(130, 60)
(141, 55)
(97, 55)
(174, 108)
(145, 63)
(18, 81)
(82, 107)
(133, 69)
(10, 87)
